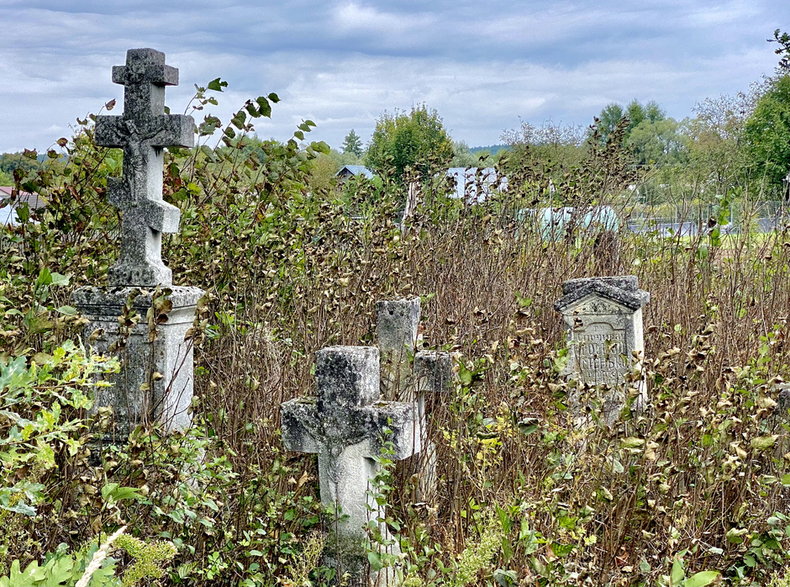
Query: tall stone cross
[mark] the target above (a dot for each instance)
(143, 131)
(347, 425)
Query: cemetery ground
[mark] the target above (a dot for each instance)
(692, 489)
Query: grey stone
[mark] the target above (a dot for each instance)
(155, 383)
(603, 316)
(783, 401)
(348, 426)
(143, 131)
(623, 290)
(397, 328)
(146, 330)
(433, 375)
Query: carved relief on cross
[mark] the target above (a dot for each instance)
(346, 425)
(143, 131)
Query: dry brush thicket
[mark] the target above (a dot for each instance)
(699, 479)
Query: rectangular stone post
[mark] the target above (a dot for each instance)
(433, 375)
(397, 329)
(348, 425)
(603, 316)
(140, 316)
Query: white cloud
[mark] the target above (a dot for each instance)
(482, 66)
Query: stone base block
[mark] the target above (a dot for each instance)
(146, 330)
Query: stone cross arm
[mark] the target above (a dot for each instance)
(155, 214)
(164, 130)
(347, 410)
(393, 425)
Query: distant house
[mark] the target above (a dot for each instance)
(474, 184)
(8, 207)
(348, 171)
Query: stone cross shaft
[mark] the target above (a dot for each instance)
(398, 333)
(143, 131)
(348, 425)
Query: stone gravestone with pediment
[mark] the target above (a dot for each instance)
(603, 316)
(348, 426)
(140, 316)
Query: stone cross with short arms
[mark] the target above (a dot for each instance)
(143, 131)
(348, 425)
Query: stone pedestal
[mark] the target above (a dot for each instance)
(147, 334)
(603, 316)
(348, 426)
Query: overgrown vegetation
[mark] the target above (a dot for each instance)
(692, 491)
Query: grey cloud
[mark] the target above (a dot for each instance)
(483, 66)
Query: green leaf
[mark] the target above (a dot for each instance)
(264, 106)
(217, 85)
(274, 97)
(786, 480)
(113, 492)
(702, 578)
(239, 120)
(375, 561)
(58, 279)
(677, 573)
(764, 442)
(44, 277)
(632, 442)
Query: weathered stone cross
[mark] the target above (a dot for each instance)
(347, 425)
(143, 131)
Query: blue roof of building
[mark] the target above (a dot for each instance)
(356, 170)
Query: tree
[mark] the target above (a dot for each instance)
(657, 142)
(767, 133)
(651, 136)
(414, 142)
(635, 113)
(783, 39)
(556, 148)
(608, 119)
(352, 144)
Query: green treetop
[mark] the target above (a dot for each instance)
(352, 144)
(414, 142)
(767, 134)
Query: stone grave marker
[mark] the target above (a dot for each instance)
(347, 425)
(140, 315)
(603, 316)
(397, 329)
(433, 376)
(411, 375)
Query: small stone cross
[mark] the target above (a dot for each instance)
(347, 425)
(143, 131)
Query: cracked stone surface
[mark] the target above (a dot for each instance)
(603, 317)
(143, 131)
(397, 330)
(138, 395)
(348, 425)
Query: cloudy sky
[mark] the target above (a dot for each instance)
(483, 65)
